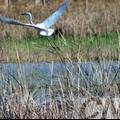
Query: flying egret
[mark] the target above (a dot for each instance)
(43, 28)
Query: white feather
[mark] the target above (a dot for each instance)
(44, 27)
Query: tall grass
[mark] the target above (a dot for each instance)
(40, 49)
(20, 99)
(66, 98)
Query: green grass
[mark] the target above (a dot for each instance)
(43, 45)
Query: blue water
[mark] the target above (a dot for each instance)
(44, 73)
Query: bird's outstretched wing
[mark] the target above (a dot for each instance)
(51, 20)
(6, 20)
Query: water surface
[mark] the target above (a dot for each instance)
(44, 73)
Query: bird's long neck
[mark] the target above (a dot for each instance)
(30, 18)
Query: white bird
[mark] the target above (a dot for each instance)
(43, 28)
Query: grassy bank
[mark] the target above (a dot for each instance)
(37, 49)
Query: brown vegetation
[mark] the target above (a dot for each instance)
(83, 16)
(18, 102)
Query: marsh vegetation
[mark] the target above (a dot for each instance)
(66, 75)
(41, 49)
(60, 77)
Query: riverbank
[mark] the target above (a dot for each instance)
(40, 49)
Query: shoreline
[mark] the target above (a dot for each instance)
(38, 58)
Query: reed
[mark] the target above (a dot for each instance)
(64, 99)
(90, 32)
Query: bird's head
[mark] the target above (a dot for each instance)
(29, 15)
